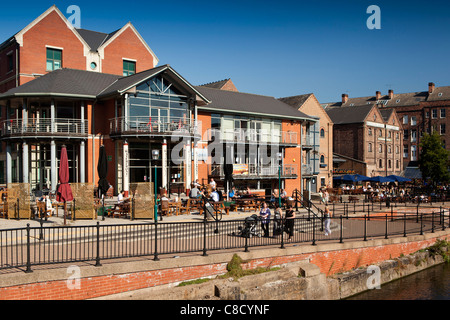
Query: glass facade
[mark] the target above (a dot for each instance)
(157, 104)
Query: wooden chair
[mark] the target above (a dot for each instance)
(121, 209)
(3, 204)
(165, 208)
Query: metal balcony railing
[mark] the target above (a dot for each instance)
(287, 170)
(38, 127)
(146, 125)
(256, 136)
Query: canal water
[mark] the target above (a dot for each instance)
(430, 284)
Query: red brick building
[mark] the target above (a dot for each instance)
(418, 112)
(83, 89)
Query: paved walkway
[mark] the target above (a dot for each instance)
(353, 210)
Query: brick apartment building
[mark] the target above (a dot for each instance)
(367, 137)
(418, 112)
(308, 104)
(83, 90)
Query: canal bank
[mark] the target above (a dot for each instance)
(123, 277)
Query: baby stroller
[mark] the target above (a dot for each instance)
(249, 228)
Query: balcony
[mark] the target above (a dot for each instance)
(307, 141)
(253, 171)
(256, 136)
(138, 126)
(41, 128)
(307, 170)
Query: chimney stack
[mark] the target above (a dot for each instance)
(378, 95)
(391, 94)
(344, 98)
(431, 87)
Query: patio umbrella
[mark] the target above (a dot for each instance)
(64, 192)
(360, 177)
(102, 169)
(381, 179)
(398, 178)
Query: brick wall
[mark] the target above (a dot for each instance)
(338, 258)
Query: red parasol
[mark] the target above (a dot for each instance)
(64, 192)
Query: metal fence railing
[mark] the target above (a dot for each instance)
(32, 246)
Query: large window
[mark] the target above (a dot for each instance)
(129, 67)
(157, 103)
(54, 59)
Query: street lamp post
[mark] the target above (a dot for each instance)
(155, 156)
(279, 156)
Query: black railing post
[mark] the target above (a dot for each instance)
(204, 227)
(74, 209)
(365, 228)
(282, 232)
(155, 255)
(341, 239)
(314, 231)
(432, 222)
(421, 224)
(417, 213)
(28, 270)
(404, 225)
(392, 214)
(97, 259)
(386, 229)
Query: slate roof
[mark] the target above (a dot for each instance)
(95, 39)
(346, 115)
(216, 84)
(296, 101)
(94, 85)
(240, 102)
(64, 82)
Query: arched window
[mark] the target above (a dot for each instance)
(322, 159)
(322, 133)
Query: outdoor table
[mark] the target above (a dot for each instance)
(56, 205)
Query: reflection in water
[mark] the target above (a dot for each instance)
(430, 284)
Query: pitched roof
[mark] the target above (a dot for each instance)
(216, 84)
(64, 82)
(257, 105)
(94, 38)
(344, 115)
(296, 101)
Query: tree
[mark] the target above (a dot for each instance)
(433, 159)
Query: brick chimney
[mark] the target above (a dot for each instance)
(344, 98)
(391, 94)
(431, 87)
(378, 95)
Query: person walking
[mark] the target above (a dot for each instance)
(289, 221)
(327, 216)
(277, 218)
(264, 215)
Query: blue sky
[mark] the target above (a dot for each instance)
(279, 48)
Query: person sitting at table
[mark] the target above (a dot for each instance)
(232, 194)
(212, 183)
(283, 195)
(120, 197)
(214, 196)
(274, 195)
(48, 206)
(194, 193)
